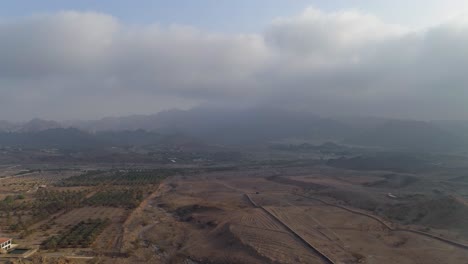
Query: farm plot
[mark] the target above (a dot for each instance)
(80, 235)
(75, 216)
(256, 218)
(62, 222)
(396, 247)
(316, 233)
(270, 239)
(22, 184)
(362, 238)
(275, 245)
(120, 178)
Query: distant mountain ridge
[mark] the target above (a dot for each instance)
(246, 127)
(72, 138)
(225, 126)
(35, 125)
(409, 135)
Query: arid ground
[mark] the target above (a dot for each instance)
(254, 214)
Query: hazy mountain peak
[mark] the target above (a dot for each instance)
(37, 124)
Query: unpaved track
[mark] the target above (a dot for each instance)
(128, 234)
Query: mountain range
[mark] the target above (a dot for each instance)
(240, 127)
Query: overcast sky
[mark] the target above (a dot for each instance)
(89, 59)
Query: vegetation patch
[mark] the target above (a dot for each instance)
(122, 198)
(81, 235)
(120, 177)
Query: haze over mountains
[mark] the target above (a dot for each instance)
(320, 60)
(239, 127)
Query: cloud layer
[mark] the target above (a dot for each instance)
(88, 65)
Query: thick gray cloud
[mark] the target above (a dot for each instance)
(88, 65)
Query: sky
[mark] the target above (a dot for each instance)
(89, 59)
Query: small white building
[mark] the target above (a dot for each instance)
(5, 243)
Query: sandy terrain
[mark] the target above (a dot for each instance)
(250, 216)
(207, 211)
